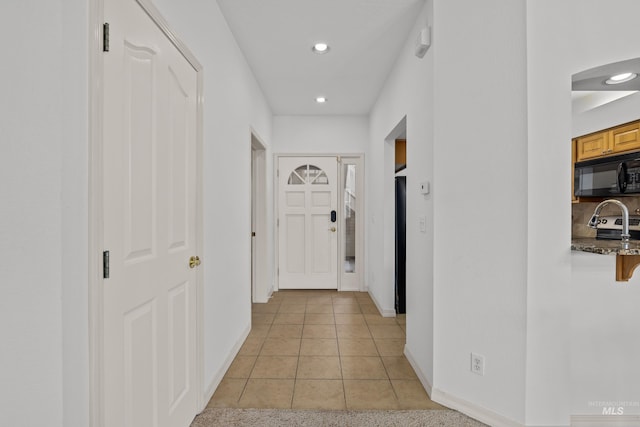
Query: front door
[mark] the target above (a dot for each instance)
(149, 175)
(307, 222)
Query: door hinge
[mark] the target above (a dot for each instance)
(105, 264)
(105, 37)
(278, 222)
(277, 173)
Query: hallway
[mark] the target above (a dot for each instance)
(322, 350)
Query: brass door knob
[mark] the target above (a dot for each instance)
(333, 229)
(194, 261)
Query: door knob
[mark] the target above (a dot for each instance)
(194, 261)
(333, 229)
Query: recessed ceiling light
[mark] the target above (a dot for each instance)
(321, 100)
(320, 48)
(621, 78)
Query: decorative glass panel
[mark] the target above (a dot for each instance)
(349, 174)
(294, 179)
(321, 179)
(308, 174)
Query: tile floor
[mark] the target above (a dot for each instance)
(322, 350)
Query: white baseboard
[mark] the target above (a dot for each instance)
(472, 410)
(605, 420)
(421, 376)
(383, 312)
(208, 393)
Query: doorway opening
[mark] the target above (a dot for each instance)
(259, 285)
(319, 225)
(401, 226)
(395, 178)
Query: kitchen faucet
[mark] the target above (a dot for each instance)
(593, 222)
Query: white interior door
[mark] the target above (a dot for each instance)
(149, 175)
(308, 239)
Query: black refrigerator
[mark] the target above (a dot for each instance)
(401, 244)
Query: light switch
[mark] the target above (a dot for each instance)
(425, 187)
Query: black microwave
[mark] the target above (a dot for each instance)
(608, 176)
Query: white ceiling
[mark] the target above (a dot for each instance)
(365, 37)
(590, 90)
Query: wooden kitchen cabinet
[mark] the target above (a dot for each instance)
(616, 140)
(592, 146)
(625, 138)
(574, 144)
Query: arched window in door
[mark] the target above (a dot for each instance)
(308, 174)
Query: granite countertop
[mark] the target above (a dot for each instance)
(604, 247)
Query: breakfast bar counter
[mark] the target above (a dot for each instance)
(604, 247)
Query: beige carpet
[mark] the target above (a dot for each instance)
(215, 417)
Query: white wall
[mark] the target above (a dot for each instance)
(408, 92)
(44, 201)
(320, 134)
(480, 163)
(620, 111)
(43, 214)
(234, 104)
(603, 325)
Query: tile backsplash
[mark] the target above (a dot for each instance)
(581, 213)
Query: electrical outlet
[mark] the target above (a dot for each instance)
(477, 364)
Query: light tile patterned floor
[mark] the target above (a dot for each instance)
(322, 350)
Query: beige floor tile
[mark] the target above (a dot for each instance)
(346, 308)
(275, 367)
(285, 331)
(319, 367)
(320, 299)
(386, 331)
(369, 394)
(357, 347)
(292, 308)
(349, 319)
(320, 308)
(319, 319)
(401, 319)
(319, 347)
(369, 309)
(262, 318)
(353, 331)
(362, 368)
(259, 330)
(252, 346)
(267, 393)
(376, 319)
(281, 347)
(228, 393)
(241, 367)
(340, 300)
(319, 394)
(265, 308)
(390, 347)
(289, 319)
(411, 395)
(294, 299)
(319, 331)
(362, 296)
(398, 368)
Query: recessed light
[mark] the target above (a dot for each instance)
(321, 100)
(621, 78)
(320, 48)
